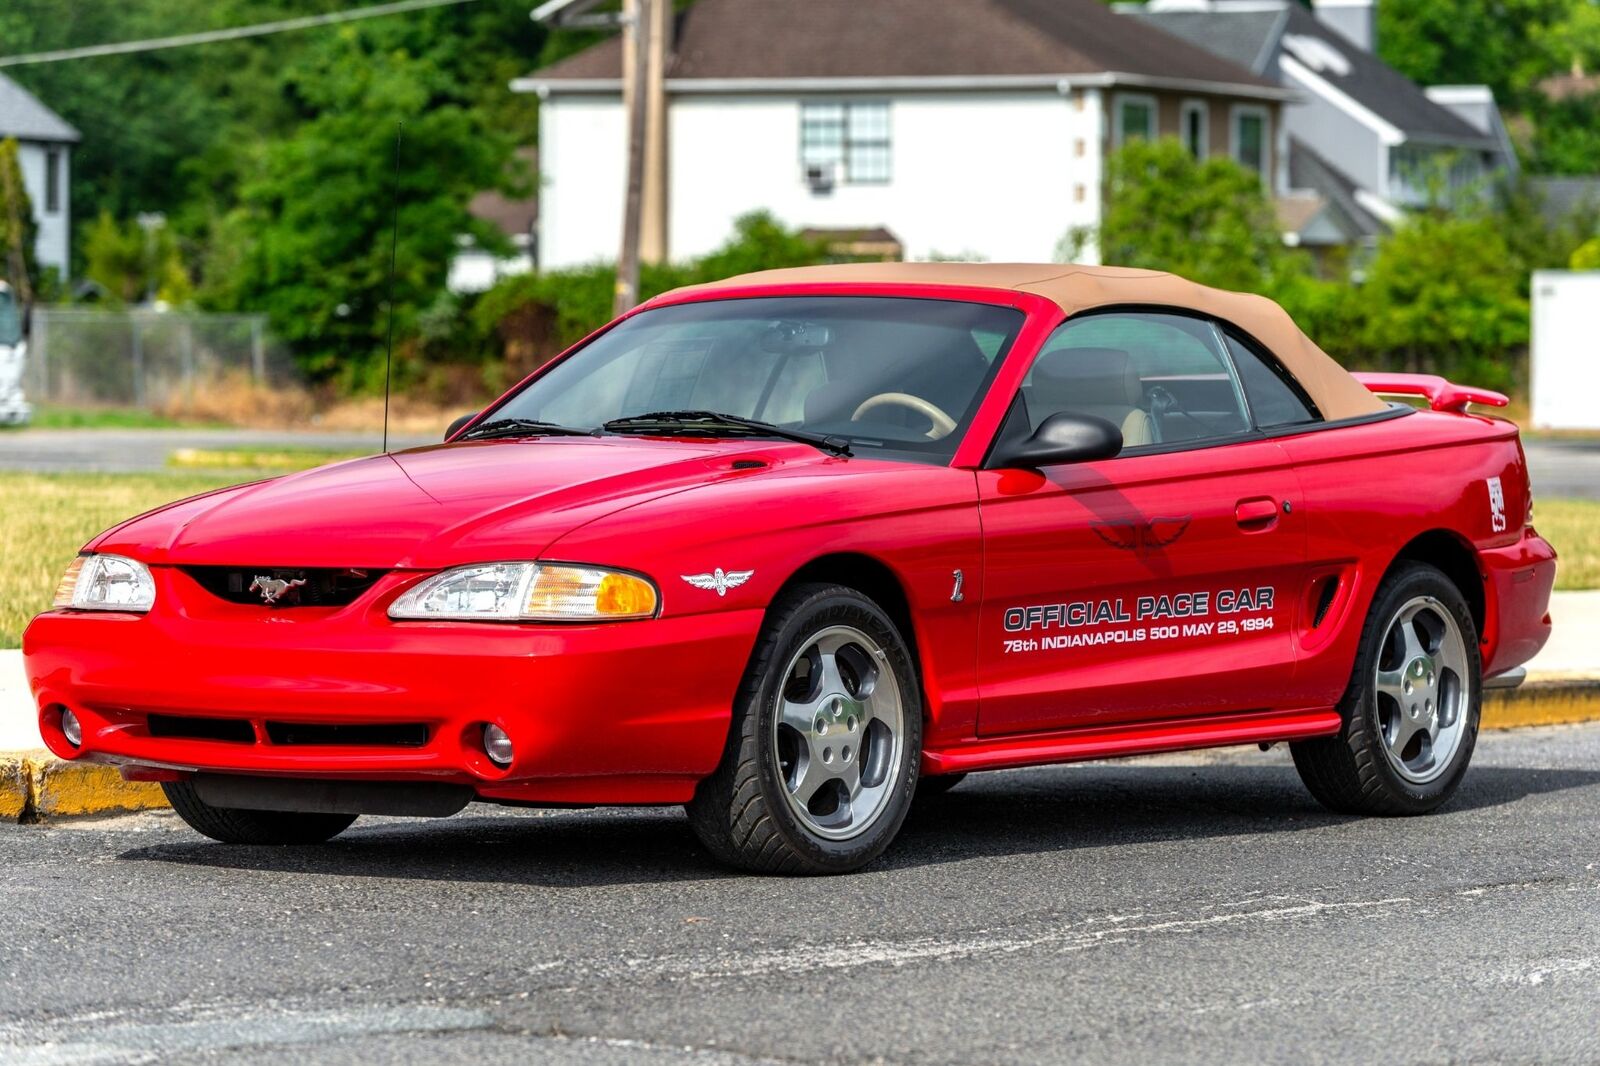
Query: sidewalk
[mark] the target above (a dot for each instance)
(1563, 686)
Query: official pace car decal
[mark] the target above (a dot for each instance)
(1088, 623)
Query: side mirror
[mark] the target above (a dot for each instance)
(455, 427)
(1062, 438)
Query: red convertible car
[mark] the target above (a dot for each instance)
(787, 548)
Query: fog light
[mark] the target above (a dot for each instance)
(71, 729)
(497, 745)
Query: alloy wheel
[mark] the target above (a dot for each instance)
(1422, 686)
(839, 733)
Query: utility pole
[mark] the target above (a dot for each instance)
(638, 22)
(653, 238)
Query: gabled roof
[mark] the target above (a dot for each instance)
(22, 116)
(1247, 35)
(1302, 42)
(787, 40)
(1308, 170)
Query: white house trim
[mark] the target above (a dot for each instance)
(1377, 205)
(1387, 132)
(939, 83)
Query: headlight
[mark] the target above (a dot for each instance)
(106, 583)
(529, 592)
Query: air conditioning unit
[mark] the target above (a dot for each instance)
(822, 177)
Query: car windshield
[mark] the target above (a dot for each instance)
(895, 378)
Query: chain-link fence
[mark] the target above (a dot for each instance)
(150, 359)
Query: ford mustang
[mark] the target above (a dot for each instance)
(792, 548)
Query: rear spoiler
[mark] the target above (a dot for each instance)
(1442, 395)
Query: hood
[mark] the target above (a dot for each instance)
(440, 506)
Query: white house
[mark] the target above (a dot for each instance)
(44, 141)
(1364, 140)
(972, 128)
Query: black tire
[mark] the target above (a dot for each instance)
(233, 825)
(929, 787)
(1350, 772)
(740, 813)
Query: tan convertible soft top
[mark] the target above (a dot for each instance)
(1078, 288)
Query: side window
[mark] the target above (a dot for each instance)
(1162, 378)
(1276, 399)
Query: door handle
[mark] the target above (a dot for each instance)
(1257, 514)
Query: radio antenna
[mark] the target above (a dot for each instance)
(394, 245)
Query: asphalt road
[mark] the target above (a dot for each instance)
(1560, 468)
(1189, 909)
(128, 451)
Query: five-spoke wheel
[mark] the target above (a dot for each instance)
(1422, 689)
(837, 734)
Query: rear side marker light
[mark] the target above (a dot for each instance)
(497, 745)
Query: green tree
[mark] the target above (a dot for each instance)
(1444, 293)
(309, 242)
(18, 231)
(135, 261)
(1210, 221)
(1499, 43)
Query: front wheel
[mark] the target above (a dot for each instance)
(235, 825)
(1411, 711)
(822, 759)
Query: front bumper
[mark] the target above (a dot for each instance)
(632, 712)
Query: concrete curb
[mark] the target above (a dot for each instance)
(1552, 699)
(36, 786)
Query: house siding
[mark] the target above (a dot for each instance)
(52, 249)
(993, 175)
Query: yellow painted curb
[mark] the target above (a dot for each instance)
(1547, 701)
(36, 784)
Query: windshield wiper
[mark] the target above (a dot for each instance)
(703, 420)
(521, 427)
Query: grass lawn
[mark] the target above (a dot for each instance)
(47, 416)
(47, 518)
(1573, 526)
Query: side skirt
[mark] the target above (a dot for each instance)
(1135, 738)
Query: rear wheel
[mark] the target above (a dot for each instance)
(234, 825)
(1411, 711)
(822, 758)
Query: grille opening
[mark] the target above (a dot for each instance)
(328, 587)
(394, 735)
(1326, 588)
(186, 728)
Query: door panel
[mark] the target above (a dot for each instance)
(1137, 588)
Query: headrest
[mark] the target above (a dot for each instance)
(1089, 376)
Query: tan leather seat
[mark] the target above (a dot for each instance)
(1101, 382)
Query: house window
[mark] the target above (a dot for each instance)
(847, 139)
(52, 182)
(1194, 126)
(1136, 118)
(1250, 138)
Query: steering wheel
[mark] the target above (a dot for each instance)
(943, 424)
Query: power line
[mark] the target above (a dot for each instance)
(237, 33)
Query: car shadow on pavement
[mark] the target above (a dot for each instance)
(1032, 811)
